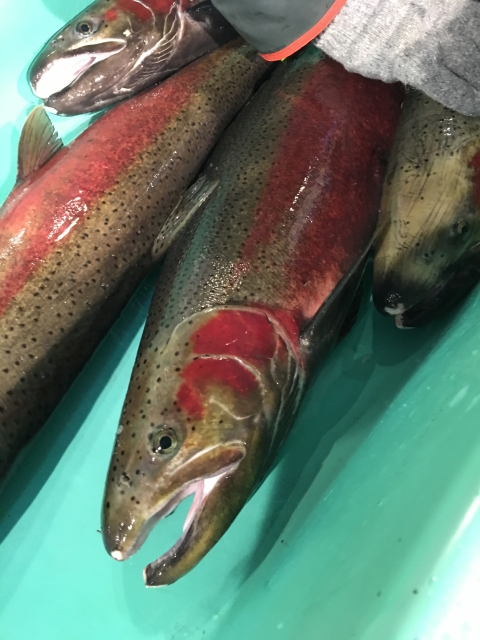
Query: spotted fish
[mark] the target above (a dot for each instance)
(115, 48)
(271, 243)
(76, 234)
(428, 250)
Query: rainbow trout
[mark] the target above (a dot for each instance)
(114, 49)
(272, 241)
(76, 234)
(427, 251)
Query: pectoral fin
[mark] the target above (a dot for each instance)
(38, 143)
(190, 204)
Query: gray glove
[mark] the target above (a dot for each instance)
(433, 45)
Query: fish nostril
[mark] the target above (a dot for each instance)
(125, 480)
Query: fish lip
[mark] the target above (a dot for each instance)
(446, 294)
(99, 46)
(395, 311)
(165, 509)
(201, 487)
(400, 322)
(39, 82)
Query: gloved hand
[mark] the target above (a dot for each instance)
(433, 45)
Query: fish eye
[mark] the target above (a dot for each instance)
(164, 440)
(85, 28)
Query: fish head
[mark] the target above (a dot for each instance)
(194, 422)
(111, 51)
(428, 242)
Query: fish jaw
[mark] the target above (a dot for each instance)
(439, 299)
(217, 387)
(127, 522)
(217, 502)
(50, 75)
(425, 281)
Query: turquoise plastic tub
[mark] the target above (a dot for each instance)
(368, 527)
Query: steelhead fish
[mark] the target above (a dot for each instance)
(115, 48)
(76, 235)
(256, 288)
(428, 245)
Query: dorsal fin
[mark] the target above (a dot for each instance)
(38, 143)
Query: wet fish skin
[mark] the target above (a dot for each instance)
(76, 236)
(113, 50)
(255, 291)
(426, 252)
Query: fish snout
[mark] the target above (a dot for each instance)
(388, 295)
(401, 284)
(119, 534)
(64, 80)
(393, 303)
(121, 517)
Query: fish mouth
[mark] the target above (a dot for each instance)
(394, 311)
(202, 489)
(49, 78)
(438, 300)
(163, 571)
(397, 313)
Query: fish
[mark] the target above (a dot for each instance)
(428, 246)
(265, 252)
(116, 48)
(76, 233)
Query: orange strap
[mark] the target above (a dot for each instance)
(308, 36)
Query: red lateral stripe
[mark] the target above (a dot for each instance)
(308, 36)
(39, 214)
(339, 123)
(245, 334)
(190, 401)
(201, 374)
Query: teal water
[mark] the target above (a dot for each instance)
(367, 528)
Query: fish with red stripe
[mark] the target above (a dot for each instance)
(76, 233)
(271, 243)
(116, 48)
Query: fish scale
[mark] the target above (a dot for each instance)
(243, 251)
(63, 286)
(256, 288)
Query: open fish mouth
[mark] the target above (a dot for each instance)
(60, 74)
(201, 489)
(410, 316)
(398, 315)
(400, 322)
